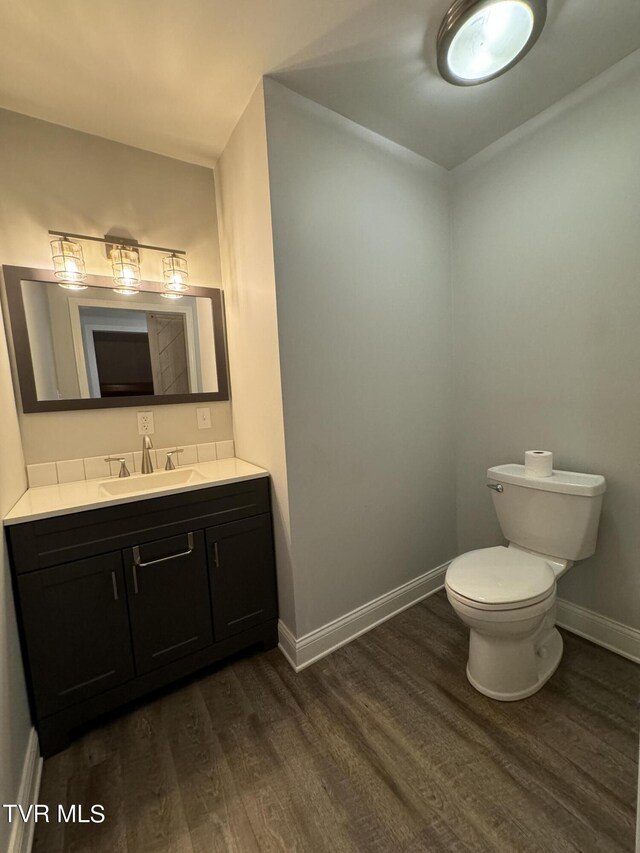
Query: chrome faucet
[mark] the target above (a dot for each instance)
(147, 464)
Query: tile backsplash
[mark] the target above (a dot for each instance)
(70, 470)
(95, 467)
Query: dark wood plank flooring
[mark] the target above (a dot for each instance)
(383, 746)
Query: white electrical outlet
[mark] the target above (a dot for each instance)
(203, 416)
(145, 423)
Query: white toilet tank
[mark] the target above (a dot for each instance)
(557, 516)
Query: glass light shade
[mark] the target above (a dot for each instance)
(176, 274)
(490, 40)
(68, 263)
(171, 294)
(67, 286)
(481, 39)
(126, 270)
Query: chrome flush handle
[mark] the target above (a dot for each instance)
(497, 487)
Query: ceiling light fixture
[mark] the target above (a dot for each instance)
(481, 39)
(68, 263)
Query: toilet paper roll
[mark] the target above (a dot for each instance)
(538, 463)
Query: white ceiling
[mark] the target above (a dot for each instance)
(175, 77)
(171, 76)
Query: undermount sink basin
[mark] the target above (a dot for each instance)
(151, 482)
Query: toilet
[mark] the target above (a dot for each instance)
(506, 595)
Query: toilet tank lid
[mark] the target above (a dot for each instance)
(565, 482)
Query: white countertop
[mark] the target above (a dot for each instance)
(63, 499)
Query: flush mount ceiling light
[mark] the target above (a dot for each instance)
(481, 39)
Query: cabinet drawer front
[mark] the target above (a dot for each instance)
(243, 582)
(168, 588)
(53, 541)
(77, 631)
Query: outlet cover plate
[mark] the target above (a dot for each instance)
(145, 423)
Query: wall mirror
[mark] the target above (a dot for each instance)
(95, 348)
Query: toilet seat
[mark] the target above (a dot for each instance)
(500, 579)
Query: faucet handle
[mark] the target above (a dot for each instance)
(124, 471)
(170, 466)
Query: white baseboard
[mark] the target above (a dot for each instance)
(599, 629)
(21, 837)
(304, 651)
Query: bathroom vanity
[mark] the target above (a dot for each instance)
(120, 594)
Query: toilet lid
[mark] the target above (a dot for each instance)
(500, 576)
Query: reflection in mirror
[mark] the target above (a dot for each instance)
(97, 348)
(95, 343)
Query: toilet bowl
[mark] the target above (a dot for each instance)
(507, 599)
(506, 595)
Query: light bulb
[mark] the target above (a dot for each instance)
(126, 270)
(68, 263)
(176, 274)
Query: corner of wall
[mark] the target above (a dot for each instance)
(248, 273)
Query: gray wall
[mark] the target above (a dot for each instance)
(546, 279)
(53, 177)
(361, 246)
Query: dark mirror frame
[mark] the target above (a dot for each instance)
(24, 363)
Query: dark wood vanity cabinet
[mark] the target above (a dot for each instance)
(113, 603)
(76, 623)
(242, 590)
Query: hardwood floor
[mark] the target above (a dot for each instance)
(383, 746)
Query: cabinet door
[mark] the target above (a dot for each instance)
(243, 583)
(169, 603)
(77, 630)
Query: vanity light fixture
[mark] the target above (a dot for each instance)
(125, 263)
(68, 263)
(124, 253)
(479, 40)
(176, 274)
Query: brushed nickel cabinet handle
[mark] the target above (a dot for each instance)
(140, 565)
(114, 582)
(216, 555)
